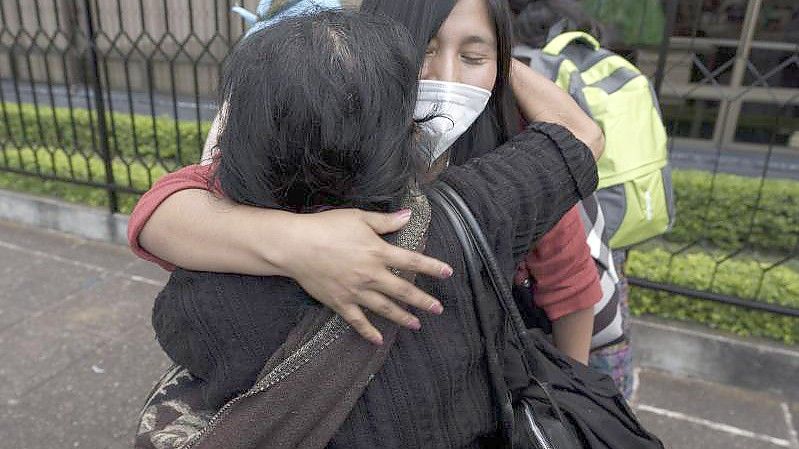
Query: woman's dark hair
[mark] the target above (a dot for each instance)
(423, 18)
(534, 18)
(318, 111)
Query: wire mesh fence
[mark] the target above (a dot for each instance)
(728, 91)
(99, 98)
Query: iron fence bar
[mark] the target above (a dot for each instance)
(71, 23)
(84, 86)
(48, 75)
(716, 297)
(668, 30)
(173, 83)
(129, 90)
(103, 69)
(195, 61)
(31, 78)
(102, 126)
(148, 71)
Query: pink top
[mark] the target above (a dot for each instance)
(564, 276)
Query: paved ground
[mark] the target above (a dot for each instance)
(77, 357)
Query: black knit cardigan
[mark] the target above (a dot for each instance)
(433, 390)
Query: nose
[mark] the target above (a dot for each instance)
(441, 67)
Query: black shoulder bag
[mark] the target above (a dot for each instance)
(545, 399)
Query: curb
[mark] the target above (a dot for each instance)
(693, 350)
(82, 221)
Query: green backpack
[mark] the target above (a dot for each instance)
(635, 191)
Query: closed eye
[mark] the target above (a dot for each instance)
(473, 60)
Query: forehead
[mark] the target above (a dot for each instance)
(470, 21)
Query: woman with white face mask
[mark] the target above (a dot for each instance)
(338, 256)
(466, 66)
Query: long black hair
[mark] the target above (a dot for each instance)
(318, 111)
(423, 18)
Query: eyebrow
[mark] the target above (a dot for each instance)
(475, 39)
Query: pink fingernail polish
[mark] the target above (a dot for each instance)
(414, 324)
(446, 271)
(404, 213)
(437, 308)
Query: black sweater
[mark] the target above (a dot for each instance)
(433, 391)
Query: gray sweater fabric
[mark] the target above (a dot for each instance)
(433, 391)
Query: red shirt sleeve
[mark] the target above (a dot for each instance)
(189, 177)
(563, 274)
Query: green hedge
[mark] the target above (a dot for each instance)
(139, 136)
(732, 208)
(738, 277)
(86, 168)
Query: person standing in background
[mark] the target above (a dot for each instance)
(533, 21)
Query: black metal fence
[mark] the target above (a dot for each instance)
(727, 81)
(108, 95)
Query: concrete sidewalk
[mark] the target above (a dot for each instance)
(77, 357)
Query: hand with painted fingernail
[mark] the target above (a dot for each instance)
(345, 264)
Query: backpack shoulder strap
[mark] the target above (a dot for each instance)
(544, 64)
(558, 28)
(559, 43)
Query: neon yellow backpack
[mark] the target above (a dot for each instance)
(635, 191)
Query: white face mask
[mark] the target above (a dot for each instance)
(455, 107)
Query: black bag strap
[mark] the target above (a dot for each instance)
(477, 251)
(474, 267)
(478, 254)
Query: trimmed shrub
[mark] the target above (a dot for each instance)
(85, 168)
(721, 211)
(130, 136)
(730, 216)
(738, 277)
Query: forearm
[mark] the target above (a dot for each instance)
(197, 230)
(572, 334)
(529, 182)
(541, 100)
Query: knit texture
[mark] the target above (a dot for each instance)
(433, 391)
(223, 327)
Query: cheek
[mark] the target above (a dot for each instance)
(424, 74)
(482, 76)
